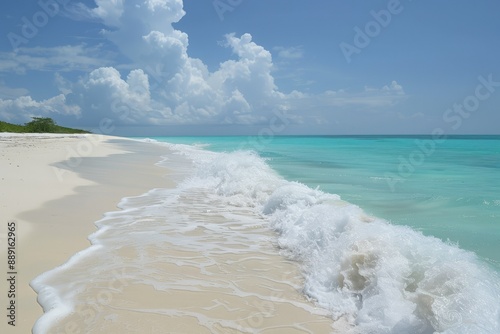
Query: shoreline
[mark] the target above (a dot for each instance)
(73, 182)
(55, 187)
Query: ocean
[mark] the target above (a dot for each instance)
(449, 189)
(391, 234)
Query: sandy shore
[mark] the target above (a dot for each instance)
(55, 187)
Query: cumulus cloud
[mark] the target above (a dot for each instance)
(57, 105)
(104, 92)
(241, 91)
(109, 11)
(161, 84)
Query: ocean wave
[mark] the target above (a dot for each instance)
(378, 277)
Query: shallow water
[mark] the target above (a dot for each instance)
(178, 260)
(213, 234)
(450, 191)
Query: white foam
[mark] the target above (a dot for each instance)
(57, 302)
(381, 277)
(374, 276)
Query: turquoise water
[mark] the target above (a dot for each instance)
(347, 211)
(449, 188)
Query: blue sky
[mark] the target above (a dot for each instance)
(171, 67)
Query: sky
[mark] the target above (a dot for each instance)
(267, 67)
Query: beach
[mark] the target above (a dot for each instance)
(54, 206)
(55, 187)
(121, 235)
(385, 242)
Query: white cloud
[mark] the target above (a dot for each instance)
(104, 94)
(294, 52)
(395, 88)
(109, 11)
(239, 91)
(166, 85)
(57, 105)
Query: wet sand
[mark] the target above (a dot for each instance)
(64, 184)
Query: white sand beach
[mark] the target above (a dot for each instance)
(48, 188)
(54, 187)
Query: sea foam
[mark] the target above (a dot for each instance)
(367, 273)
(379, 277)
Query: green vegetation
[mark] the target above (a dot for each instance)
(7, 127)
(41, 124)
(38, 125)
